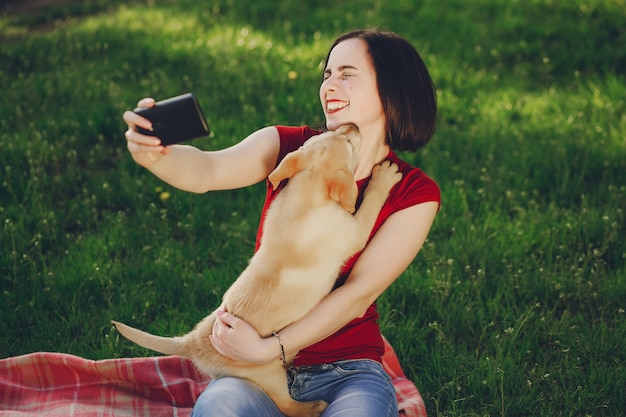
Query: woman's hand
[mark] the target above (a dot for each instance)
(145, 150)
(236, 339)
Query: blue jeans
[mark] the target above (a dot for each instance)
(355, 388)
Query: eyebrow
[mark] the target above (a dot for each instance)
(342, 68)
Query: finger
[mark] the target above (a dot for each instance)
(141, 139)
(227, 318)
(216, 328)
(222, 327)
(215, 341)
(216, 336)
(134, 147)
(132, 119)
(146, 102)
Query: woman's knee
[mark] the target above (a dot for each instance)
(372, 398)
(353, 388)
(233, 397)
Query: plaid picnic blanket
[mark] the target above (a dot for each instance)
(55, 384)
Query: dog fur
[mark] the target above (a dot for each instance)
(309, 232)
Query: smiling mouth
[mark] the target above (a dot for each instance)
(336, 105)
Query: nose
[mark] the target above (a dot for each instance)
(329, 84)
(351, 131)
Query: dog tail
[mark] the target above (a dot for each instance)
(165, 345)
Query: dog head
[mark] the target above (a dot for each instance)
(330, 155)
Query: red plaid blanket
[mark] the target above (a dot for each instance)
(54, 384)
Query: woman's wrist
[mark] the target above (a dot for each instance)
(271, 349)
(282, 358)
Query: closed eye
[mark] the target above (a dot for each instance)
(343, 70)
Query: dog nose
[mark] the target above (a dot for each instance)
(349, 130)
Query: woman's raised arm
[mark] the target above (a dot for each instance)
(191, 169)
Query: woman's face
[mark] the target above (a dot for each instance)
(349, 92)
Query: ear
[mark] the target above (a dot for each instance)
(286, 169)
(342, 188)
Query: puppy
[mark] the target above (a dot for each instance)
(309, 232)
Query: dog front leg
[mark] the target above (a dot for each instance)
(384, 177)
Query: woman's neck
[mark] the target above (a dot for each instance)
(373, 152)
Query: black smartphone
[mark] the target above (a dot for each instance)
(176, 119)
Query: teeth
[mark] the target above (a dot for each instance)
(336, 105)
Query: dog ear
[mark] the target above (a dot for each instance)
(342, 188)
(286, 169)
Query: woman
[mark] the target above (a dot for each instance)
(377, 81)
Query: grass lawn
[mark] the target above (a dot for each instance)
(516, 305)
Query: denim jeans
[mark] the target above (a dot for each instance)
(356, 388)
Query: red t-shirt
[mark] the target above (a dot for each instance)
(361, 338)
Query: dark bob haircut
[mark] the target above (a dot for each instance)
(405, 88)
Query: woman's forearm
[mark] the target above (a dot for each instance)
(243, 164)
(330, 315)
(184, 167)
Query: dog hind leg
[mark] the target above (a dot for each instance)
(274, 383)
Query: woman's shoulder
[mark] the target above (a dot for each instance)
(292, 137)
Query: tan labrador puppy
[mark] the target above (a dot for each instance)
(309, 232)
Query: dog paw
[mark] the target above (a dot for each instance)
(385, 176)
(318, 408)
(304, 409)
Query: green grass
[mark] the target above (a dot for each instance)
(516, 305)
